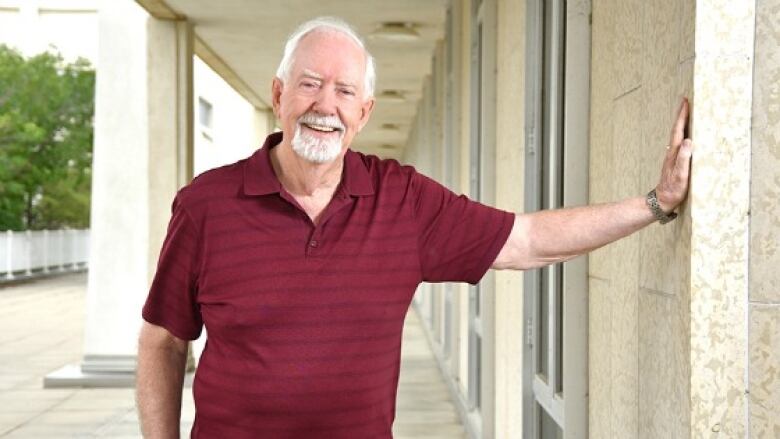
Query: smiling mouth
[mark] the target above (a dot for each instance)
(321, 128)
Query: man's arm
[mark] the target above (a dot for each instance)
(162, 358)
(546, 237)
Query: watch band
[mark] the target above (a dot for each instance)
(660, 215)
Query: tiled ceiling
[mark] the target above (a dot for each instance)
(249, 37)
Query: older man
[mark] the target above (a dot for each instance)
(302, 261)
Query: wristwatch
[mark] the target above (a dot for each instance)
(660, 215)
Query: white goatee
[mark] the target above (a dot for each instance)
(312, 148)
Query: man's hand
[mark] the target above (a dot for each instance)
(673, 186)
(549, 236)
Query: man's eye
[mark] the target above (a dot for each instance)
(348, 92)
(308, 85)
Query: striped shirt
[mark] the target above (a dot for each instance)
(304, 321)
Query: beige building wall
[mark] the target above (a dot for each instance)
(642, 63)
(505, 345)
(669, 322)
(237, 127)
(33, 26)
(764, 306)
(683, 318)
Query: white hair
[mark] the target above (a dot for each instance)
(331, 24)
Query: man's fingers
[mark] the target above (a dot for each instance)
(671, 154)
(678, 130)
(673, 187)
(683, 161)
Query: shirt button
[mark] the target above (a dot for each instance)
(313, 243)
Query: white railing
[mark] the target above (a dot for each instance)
(31, 253)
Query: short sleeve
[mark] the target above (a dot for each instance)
(172, 301)
(459, 238)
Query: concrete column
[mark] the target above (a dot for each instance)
(508, 326)
(720, 216)
(142, 155)
(263, 123)
(764, 278)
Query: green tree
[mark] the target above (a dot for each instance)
(46, 114)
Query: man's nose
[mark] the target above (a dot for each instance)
(325, 103)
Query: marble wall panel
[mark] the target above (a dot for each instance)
(764, 317)
(628, 45)
(724, 27)
(618, 124)
(624, 275)
(627, 144)
(764, 371)
(602, 91)
(665, 250)
(601, 150)
(766, 85)
(765, 215)
(624, 339)
(599, 358)
(765, 172)
(663, 382)
(692, 272)
(603, 65)
(719, 210)
(661, 34)
(600, 172)
(600, 263)
(686, 45)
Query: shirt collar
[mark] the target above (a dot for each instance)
(260, 178)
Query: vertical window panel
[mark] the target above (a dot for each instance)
(205, 111)
(555, 389)
(477, 192)
(547, 427)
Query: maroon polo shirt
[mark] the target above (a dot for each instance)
(304, 321)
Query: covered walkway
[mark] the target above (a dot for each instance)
(42, 330)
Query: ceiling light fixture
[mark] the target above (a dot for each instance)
(396, 31)
(395, 96)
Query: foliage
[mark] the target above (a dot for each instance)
(46, 114)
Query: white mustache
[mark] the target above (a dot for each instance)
(327, 121)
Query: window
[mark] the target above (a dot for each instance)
(555, 297)
(205, 117)
(475, 189)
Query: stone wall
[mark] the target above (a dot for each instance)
(642, 64)
(684, 318)
(764, 306)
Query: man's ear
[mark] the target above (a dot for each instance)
(367, 108)
(276, 95)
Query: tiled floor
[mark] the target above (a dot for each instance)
(41, 324)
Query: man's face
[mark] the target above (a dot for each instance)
(322, 106)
